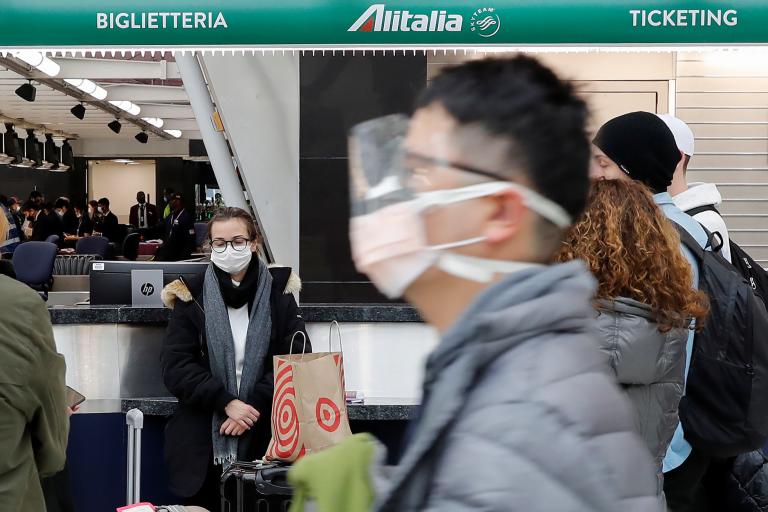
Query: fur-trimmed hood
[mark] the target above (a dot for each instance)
(177, 290)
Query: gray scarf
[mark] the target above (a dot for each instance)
(221, 350)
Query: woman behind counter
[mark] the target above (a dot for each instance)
(217, 357)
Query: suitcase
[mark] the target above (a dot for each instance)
(255, 487)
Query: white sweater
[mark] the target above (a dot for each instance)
(238, 322)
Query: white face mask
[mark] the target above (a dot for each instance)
(390, 245)
(231, 260)
(100, 209)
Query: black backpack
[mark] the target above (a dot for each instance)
(724, 411)
(744, 264)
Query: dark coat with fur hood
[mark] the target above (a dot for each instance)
(187, 375)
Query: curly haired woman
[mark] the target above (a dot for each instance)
(644, 301)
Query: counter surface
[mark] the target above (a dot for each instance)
(374, 409)
(310, 312)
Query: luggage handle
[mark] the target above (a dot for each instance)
(135, 421)
(330, 336)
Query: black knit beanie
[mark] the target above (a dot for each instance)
(642, 145)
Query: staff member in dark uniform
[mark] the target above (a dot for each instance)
(109, 224)
(179, 241)
(143, 215)
(83, 227)
(43, 222)
(217, 358)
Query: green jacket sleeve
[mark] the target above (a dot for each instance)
(33, 422)
(50, 425)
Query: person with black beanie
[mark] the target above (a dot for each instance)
(639, 146)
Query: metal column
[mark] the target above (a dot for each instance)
(215, 143)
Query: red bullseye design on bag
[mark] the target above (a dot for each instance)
(285, 419)
(327, 414)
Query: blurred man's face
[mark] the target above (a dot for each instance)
(141, 198)
(603, 168)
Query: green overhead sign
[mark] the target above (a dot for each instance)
(355, 23)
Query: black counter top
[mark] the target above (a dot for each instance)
(378, 409)
(160, 316)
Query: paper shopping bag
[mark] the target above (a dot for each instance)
(309, 411)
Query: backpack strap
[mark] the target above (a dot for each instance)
(702, 209)
(688, 241)
(714, 239)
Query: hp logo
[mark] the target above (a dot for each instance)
(147, 289)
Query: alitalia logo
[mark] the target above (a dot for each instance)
(377, 18)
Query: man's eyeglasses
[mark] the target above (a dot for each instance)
(239, 243)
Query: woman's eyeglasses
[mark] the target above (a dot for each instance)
(238, 243)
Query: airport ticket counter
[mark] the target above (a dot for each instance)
(112, 354)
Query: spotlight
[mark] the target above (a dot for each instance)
(142, 137)
(115, 126)
(78, 111)
(27, 91)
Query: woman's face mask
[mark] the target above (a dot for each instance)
(232, 261)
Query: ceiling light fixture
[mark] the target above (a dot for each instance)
(78, 111)
(129, 107)
(60, 142)
(87, 87)
(39, 61)
(142, 137)
(115, 126)
(5, 158)
(122, 161)
(23, 135)
(154, 121)
(173, 133)
(27, 92)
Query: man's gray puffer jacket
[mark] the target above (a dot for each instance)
(648, 364)
(520, 412)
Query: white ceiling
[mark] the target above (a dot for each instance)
(118, 77)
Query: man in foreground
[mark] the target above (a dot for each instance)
(460, 210)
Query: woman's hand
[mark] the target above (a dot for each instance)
(242, 414)
(231, 428)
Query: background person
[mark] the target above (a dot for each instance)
(688, 197)
(108, 225)
(179, 239)
(66, 214)
(84, 226)
(516, 399)
(42, 223)
(10, 239)
(217, 358)
(143, 215)
(168, 194)
(33, 409)
(644, 300)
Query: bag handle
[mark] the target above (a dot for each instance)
(330, 336)
(304, 349)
